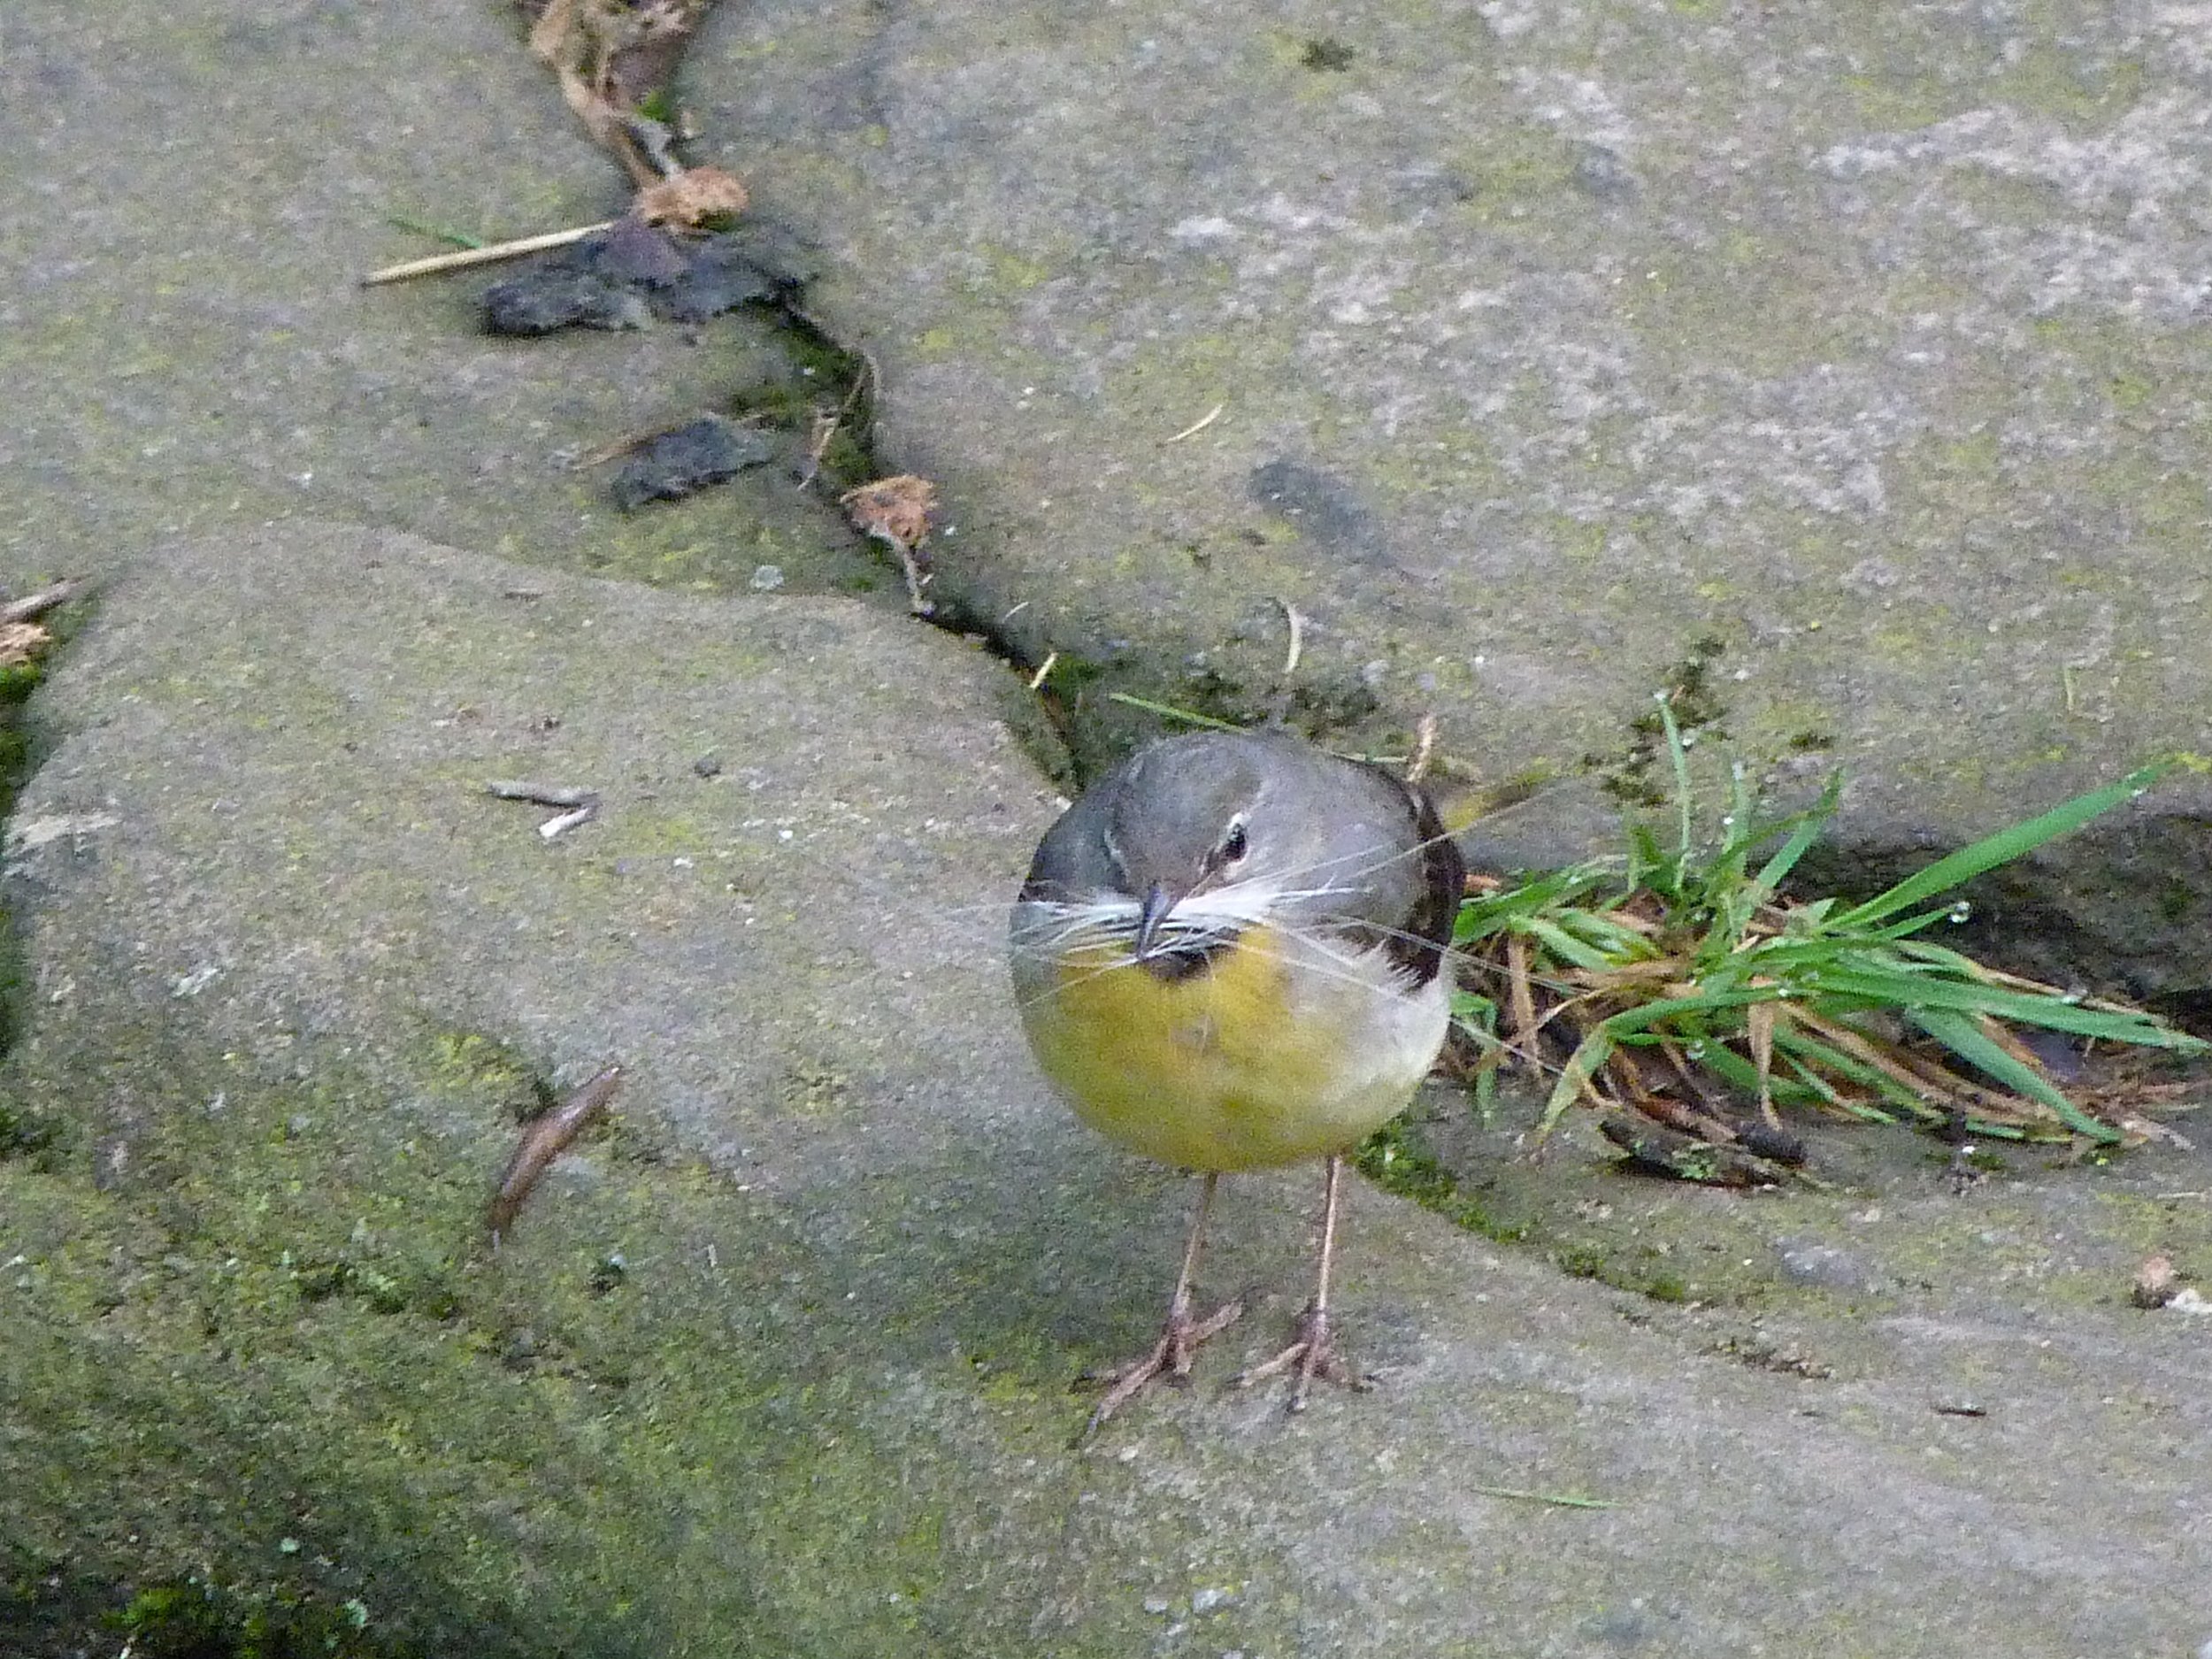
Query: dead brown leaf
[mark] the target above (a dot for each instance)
(21, 642)
(895, 509)
(2156, 1283)
(691, 195)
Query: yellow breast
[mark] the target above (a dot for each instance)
(1270, 1053)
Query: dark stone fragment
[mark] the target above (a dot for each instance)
(720, 277)
(756, 261)
(626, 275)
(676, 464)
(1824, 1266)
(550, 296)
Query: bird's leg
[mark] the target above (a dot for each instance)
(1170, 1356)
(1313, 1349)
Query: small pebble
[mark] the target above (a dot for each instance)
(1157, 1605)
(767, 578)
(1804, 1262)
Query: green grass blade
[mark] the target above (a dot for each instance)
(1804, 1048)
(1168, 710)
(1738, 1073)
(1968, 1040)
(1599, 930)
(1582, 1066)
(1477, 1017)
(1915, 994)
(2004, 845)
(1827, 1091)
(1649, 870)
(1940, 956)
(1478, 1013)
(1809, 824)
(1493, 912)
(1558, 1500)
(1630, 1020)
(440, 232)
(1565, 945)
(1907, 926)
(1678, 758)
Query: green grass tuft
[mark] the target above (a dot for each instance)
(1678, 979)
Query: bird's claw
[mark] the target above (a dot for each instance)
(1171, 1357)
(1312, 1353)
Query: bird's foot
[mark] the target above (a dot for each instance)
(1312, 1354)
(1171, 1357)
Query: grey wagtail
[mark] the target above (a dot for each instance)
(1230, 956)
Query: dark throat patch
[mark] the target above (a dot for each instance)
(1172, 965)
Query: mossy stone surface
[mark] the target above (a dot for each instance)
(777, 1360)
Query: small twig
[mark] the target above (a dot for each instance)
(870, 379)
(1423, 746)
(1130, 699)
(916, 577)
(1297, 622)
(32, 606)
(1521, 998)
(583, 804)
(565, 795)
(461, 258)
(1759, 1020)
(544, 1139)
(568, 821)
(1044, 669)
(1198, 426)
(820, 434)
(827, 426)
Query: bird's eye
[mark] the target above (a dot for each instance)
(1233, 845)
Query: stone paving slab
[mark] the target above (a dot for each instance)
(1549, 339)
(782, 1360)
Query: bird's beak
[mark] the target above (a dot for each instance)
(1157, 903)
